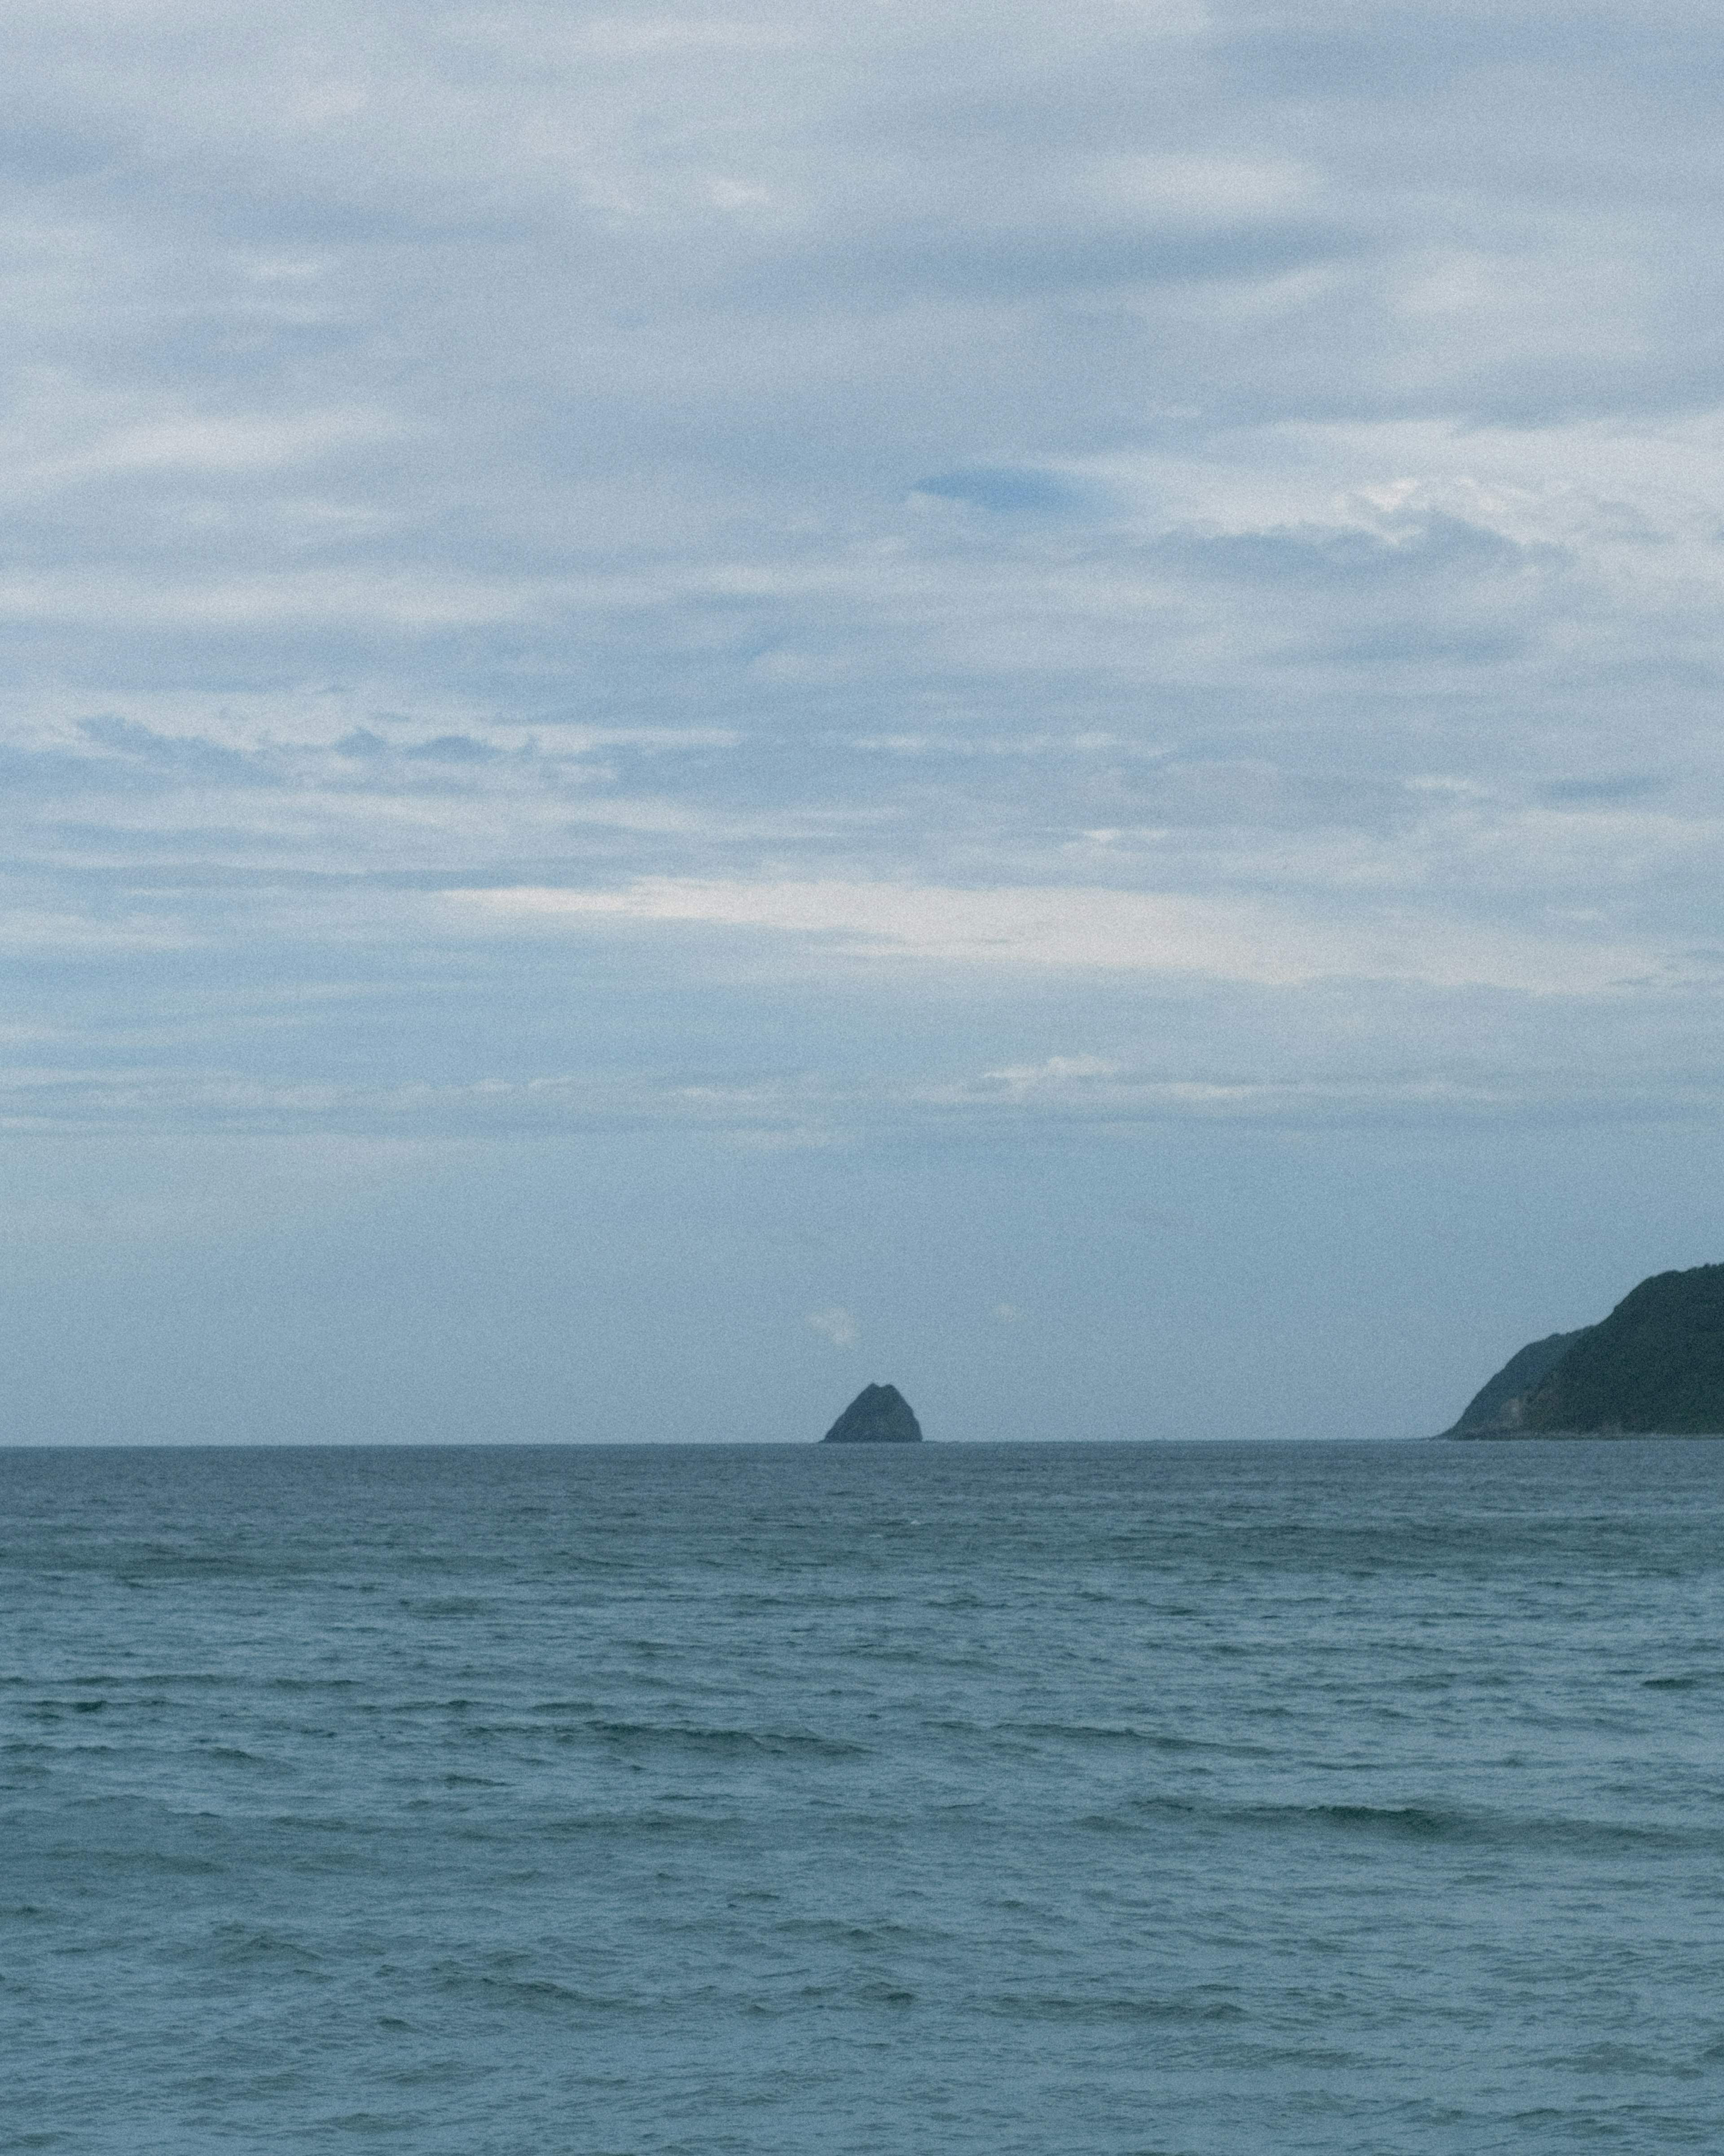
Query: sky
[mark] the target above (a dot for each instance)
(706, 702)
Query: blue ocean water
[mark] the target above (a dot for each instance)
(1217, 1798)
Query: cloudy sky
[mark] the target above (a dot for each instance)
(704, 701)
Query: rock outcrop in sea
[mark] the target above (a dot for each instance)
(1655, 1367)
(880, 1414)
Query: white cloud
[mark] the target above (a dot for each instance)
(1261, 942)
(1061, 1071)
(235, 443)
(836, 1324)
(1199, 190)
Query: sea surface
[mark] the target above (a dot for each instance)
(946, 1801)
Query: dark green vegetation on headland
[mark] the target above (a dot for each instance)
(1655, 1365)
(880, 1414)
(1500, 1407)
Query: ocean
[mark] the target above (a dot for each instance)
(1201, 1800)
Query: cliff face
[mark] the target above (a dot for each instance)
(880, 1414)
(1499, 1408)
(1655, 1365)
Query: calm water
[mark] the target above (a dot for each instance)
(1207, 1799)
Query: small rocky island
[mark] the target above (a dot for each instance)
(1655, 1367)
(880, 1414)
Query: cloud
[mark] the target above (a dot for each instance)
(1008, 491)
(1078, 929)
(1196, 504)
(1062, 1070)
(835, 1324)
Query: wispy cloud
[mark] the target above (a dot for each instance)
(1276, 944)
(835, 1324)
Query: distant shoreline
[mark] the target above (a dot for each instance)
(1541, 1436)
(19, 1449)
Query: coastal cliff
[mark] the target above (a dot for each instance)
(1655, 1366)
(1499, 1408)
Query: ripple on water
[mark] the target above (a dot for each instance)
(1227, 1801)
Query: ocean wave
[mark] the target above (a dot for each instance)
(726, 1742)
(1198, 2006)
(1130, 1736)
(1458, 1826)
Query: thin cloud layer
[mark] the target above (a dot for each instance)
(1217, 494)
